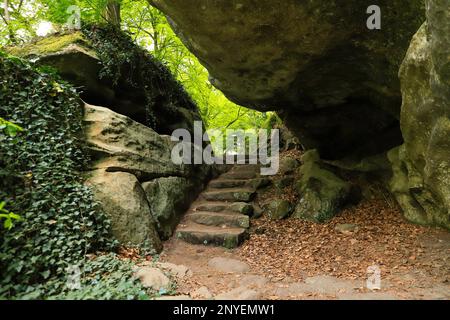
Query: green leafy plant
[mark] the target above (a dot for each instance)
(9, 128)
(41, 177)
(103, 277)
(8, 216)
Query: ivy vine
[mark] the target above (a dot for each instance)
(40, 177)
(123, 59)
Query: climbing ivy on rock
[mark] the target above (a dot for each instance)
(123, 59)
(103, 277)
(40, 178)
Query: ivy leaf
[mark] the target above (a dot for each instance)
(7, 224)
(45, 274)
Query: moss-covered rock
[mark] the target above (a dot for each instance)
(421, 167)
(321, 192)
(288, 165)
(278, 209)
(49, 45)
(129, 80)
(169, 198)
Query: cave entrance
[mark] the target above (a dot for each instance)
(227, 120)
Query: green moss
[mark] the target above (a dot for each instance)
(322, 192)
(230, 242)
(47, 45)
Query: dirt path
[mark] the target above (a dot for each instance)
(294, 259)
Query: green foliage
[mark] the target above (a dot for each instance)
(17, 24)
(40, 178)
(9, 128)
(105, 277)
(8, 216)
(22, 20)
(91, 10)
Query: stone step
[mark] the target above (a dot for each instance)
(236, 195)
(246, 168)
(228, 219)
(239, 175)
(227, 183)
(220, 206)
(233, 183)
(211, 235)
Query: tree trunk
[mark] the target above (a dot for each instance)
(112, 12)
(7, 19)
(5, 7)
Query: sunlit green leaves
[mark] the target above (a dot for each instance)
(9, 217)
(9, 128)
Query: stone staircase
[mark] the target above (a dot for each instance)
(221, 214)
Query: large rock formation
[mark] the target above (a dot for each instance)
(132, 173)
(169, 198)
(135, 180)
(118, 143)
(121, 196)
(333, 80)
(322, 193)
(336, 84)
(73, 56)
(421, 180)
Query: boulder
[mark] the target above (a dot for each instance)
(282, 182)
(153, 278)
(288, 141)
(278, 209)
(118, 143)
(288, 165)
(73, 56)
(322, 193)
(421, 166)
(240, 293)
(332, 79)
(121, 197)
(242, 207)
(169, 198)
(178, 271)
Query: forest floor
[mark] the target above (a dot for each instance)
(296, 259)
